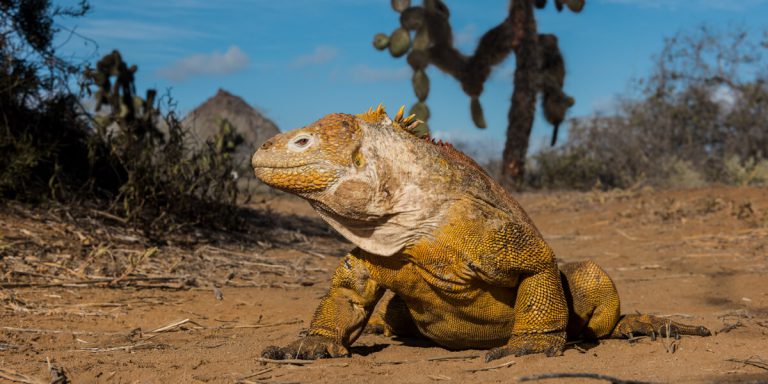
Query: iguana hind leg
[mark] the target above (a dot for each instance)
(594, 312)
(593, 303)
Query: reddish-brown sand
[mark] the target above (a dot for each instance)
(697, 256)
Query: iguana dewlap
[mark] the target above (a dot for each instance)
(467, 267)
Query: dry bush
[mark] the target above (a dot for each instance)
(700, 118)
(118, 160)
(749, 171)
(42, 136)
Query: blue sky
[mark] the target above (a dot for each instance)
(297, 60)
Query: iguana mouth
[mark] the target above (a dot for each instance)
(278, 166)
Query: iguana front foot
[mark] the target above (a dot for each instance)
(649, 325)
(551, 344)
(307, 348)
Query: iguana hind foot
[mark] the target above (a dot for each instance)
(653, 326)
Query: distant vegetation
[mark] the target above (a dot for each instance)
(128, 158)
(700, 117)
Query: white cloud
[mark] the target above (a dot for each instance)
(133, 30)
(605, 105)
(504, 72)
(725, 97)
(726, 5)
(367, 74)
(466, 37)
(216, 63)
(321, 54)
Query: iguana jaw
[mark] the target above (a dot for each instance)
(298, 179)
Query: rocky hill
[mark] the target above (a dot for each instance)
(204, 121)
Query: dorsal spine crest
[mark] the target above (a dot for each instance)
(401, 121)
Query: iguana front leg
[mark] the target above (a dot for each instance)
(516, 252)
(341, 316)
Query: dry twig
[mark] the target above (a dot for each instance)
(16, 377)
(755, 361)
(263, 371)
(730, 327)
(507, 364)
(126, 348)
(238, 326)
(670, 344)
(135, 264)
(174, 325)
(446, 358)
(390, 362)
(286, 361)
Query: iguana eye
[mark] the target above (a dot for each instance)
(301, 142)
(358, 159)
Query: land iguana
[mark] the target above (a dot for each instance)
(467, 266)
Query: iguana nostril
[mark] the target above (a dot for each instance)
(267, 144)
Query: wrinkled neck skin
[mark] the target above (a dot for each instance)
(390, 202)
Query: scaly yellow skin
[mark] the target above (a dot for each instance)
(467, 267)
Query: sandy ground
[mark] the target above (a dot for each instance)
(697, 256)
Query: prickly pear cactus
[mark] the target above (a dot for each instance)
(425, 37)
(128, 110)
(399, 42)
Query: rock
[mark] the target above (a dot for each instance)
(204, 121)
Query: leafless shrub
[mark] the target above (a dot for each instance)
(701, 117)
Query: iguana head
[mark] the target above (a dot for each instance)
(353, 169)
(310, 160)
